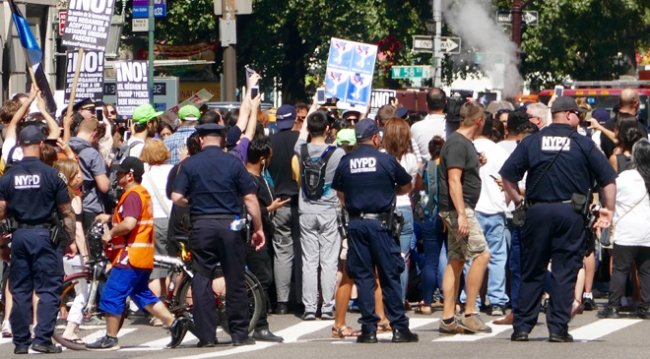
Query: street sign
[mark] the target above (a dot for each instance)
(62, 16)
(489, 57)
(422, 43)
(530, 18)
(141, 8)
(140, 25)
(450, 45)
(410, 72)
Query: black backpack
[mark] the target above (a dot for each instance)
(313, 172)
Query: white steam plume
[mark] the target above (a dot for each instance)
(473, 21)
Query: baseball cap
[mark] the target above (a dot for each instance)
(145, 113)
(130, 164)
(285, 115)
(366, 128)
(402, 112)
(189, 113)
(601, 114)
(346, 135)
(30, 135)
(565, 103)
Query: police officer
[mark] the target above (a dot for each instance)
(368, 181)
(561, 165)
(211, 183)
(30, 192)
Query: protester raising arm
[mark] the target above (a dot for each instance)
(252, 121)
(20, 114)
(52, 126)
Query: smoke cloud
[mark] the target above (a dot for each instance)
(473, 21)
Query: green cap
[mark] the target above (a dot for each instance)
(145, 113)
(189, 113)
(346, 135)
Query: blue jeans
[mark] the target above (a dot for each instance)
(433, 238)
(405, 239)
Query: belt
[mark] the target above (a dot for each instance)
(33, 226)
(371, 216)
(532, 203)
(212, 216)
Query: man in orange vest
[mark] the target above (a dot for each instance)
(132, 256)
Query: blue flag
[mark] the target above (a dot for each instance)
(35, 56)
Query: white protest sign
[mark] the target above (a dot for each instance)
(91, 76)
(87, 24)
(348, 77)
(131, 82)
(379, 98)
(197, 100)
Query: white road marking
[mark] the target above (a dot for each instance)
(601, 328)
(413, 324)
(157, 344)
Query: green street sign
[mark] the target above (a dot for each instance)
(492, 57)
(409, 72)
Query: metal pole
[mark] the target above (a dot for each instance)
(229, 87)
(152, 26)
(437, 55)
(516, 23)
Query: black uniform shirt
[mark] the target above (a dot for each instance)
(32, 190)
(368, 177)
(213, 181)
(574, 171)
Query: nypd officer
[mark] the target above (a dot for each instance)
(367, 182)
(212, 183)
(30, 192)
(561, 165)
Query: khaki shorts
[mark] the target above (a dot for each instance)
(464, 248)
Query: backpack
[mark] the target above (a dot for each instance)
(313, 172)
(431, 206)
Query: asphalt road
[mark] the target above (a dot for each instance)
(597, 338)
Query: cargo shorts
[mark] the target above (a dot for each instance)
(464, 248)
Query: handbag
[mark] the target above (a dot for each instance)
(608, 240)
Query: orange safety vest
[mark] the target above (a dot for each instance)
(139, 244)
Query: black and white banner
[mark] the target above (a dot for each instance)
(131, 80)
(91, 75)
(379, 98)
(87, 24)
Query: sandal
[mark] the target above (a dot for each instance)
(424, 310)
(345, 332)
(384, 328)
(75, 340)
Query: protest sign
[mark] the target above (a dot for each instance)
(131, 83)
(197, 100)
(379, 98)
(87, 24)
(90, 83)
(348, 77)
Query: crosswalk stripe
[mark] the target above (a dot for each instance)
(413, 324)
(601, 328)
(496, 330)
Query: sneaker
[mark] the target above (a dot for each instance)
(642, 313)
(105, 343)
(474, 324)
(609, 312)
(93, 321)
(452, 328)
(327, 316)
(6, 329)
(588, 302)
(497, 310)
(309, 316)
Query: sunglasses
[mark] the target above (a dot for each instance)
(577, 113)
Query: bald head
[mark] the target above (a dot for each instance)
(629, 101)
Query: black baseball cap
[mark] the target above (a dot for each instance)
(30, 135)
(366, 128)
(566, 103)
(130, 164)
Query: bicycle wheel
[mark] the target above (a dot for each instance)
(255, 304)
(86, 325)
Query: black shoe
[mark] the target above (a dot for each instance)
(47, 349)
(265, 335)
(19, 350)
(367, 337)
(247, 341)
(105, 343)
(282, 308)
(599, 295)
(557, 338)
(589, 304)
(208, 344)
(404, 336)
(609, 312)
(178, 330)
(642, 313)
(519, 337)
(308, 316)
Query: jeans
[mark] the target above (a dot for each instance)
(405, 239)
(433, 238)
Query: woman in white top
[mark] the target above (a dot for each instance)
(630, 232)
(154, 155)
(397, 142)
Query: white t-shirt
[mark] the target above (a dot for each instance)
(632, 211)
(508, 145)
(136, 151)
(159, 175)
(423, 131)
(410, 163)
(8, 144)
(492, 199)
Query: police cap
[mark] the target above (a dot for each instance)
(209, 128)
(30, 135)
(565, 103)
(86, 103)
(366, 128)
